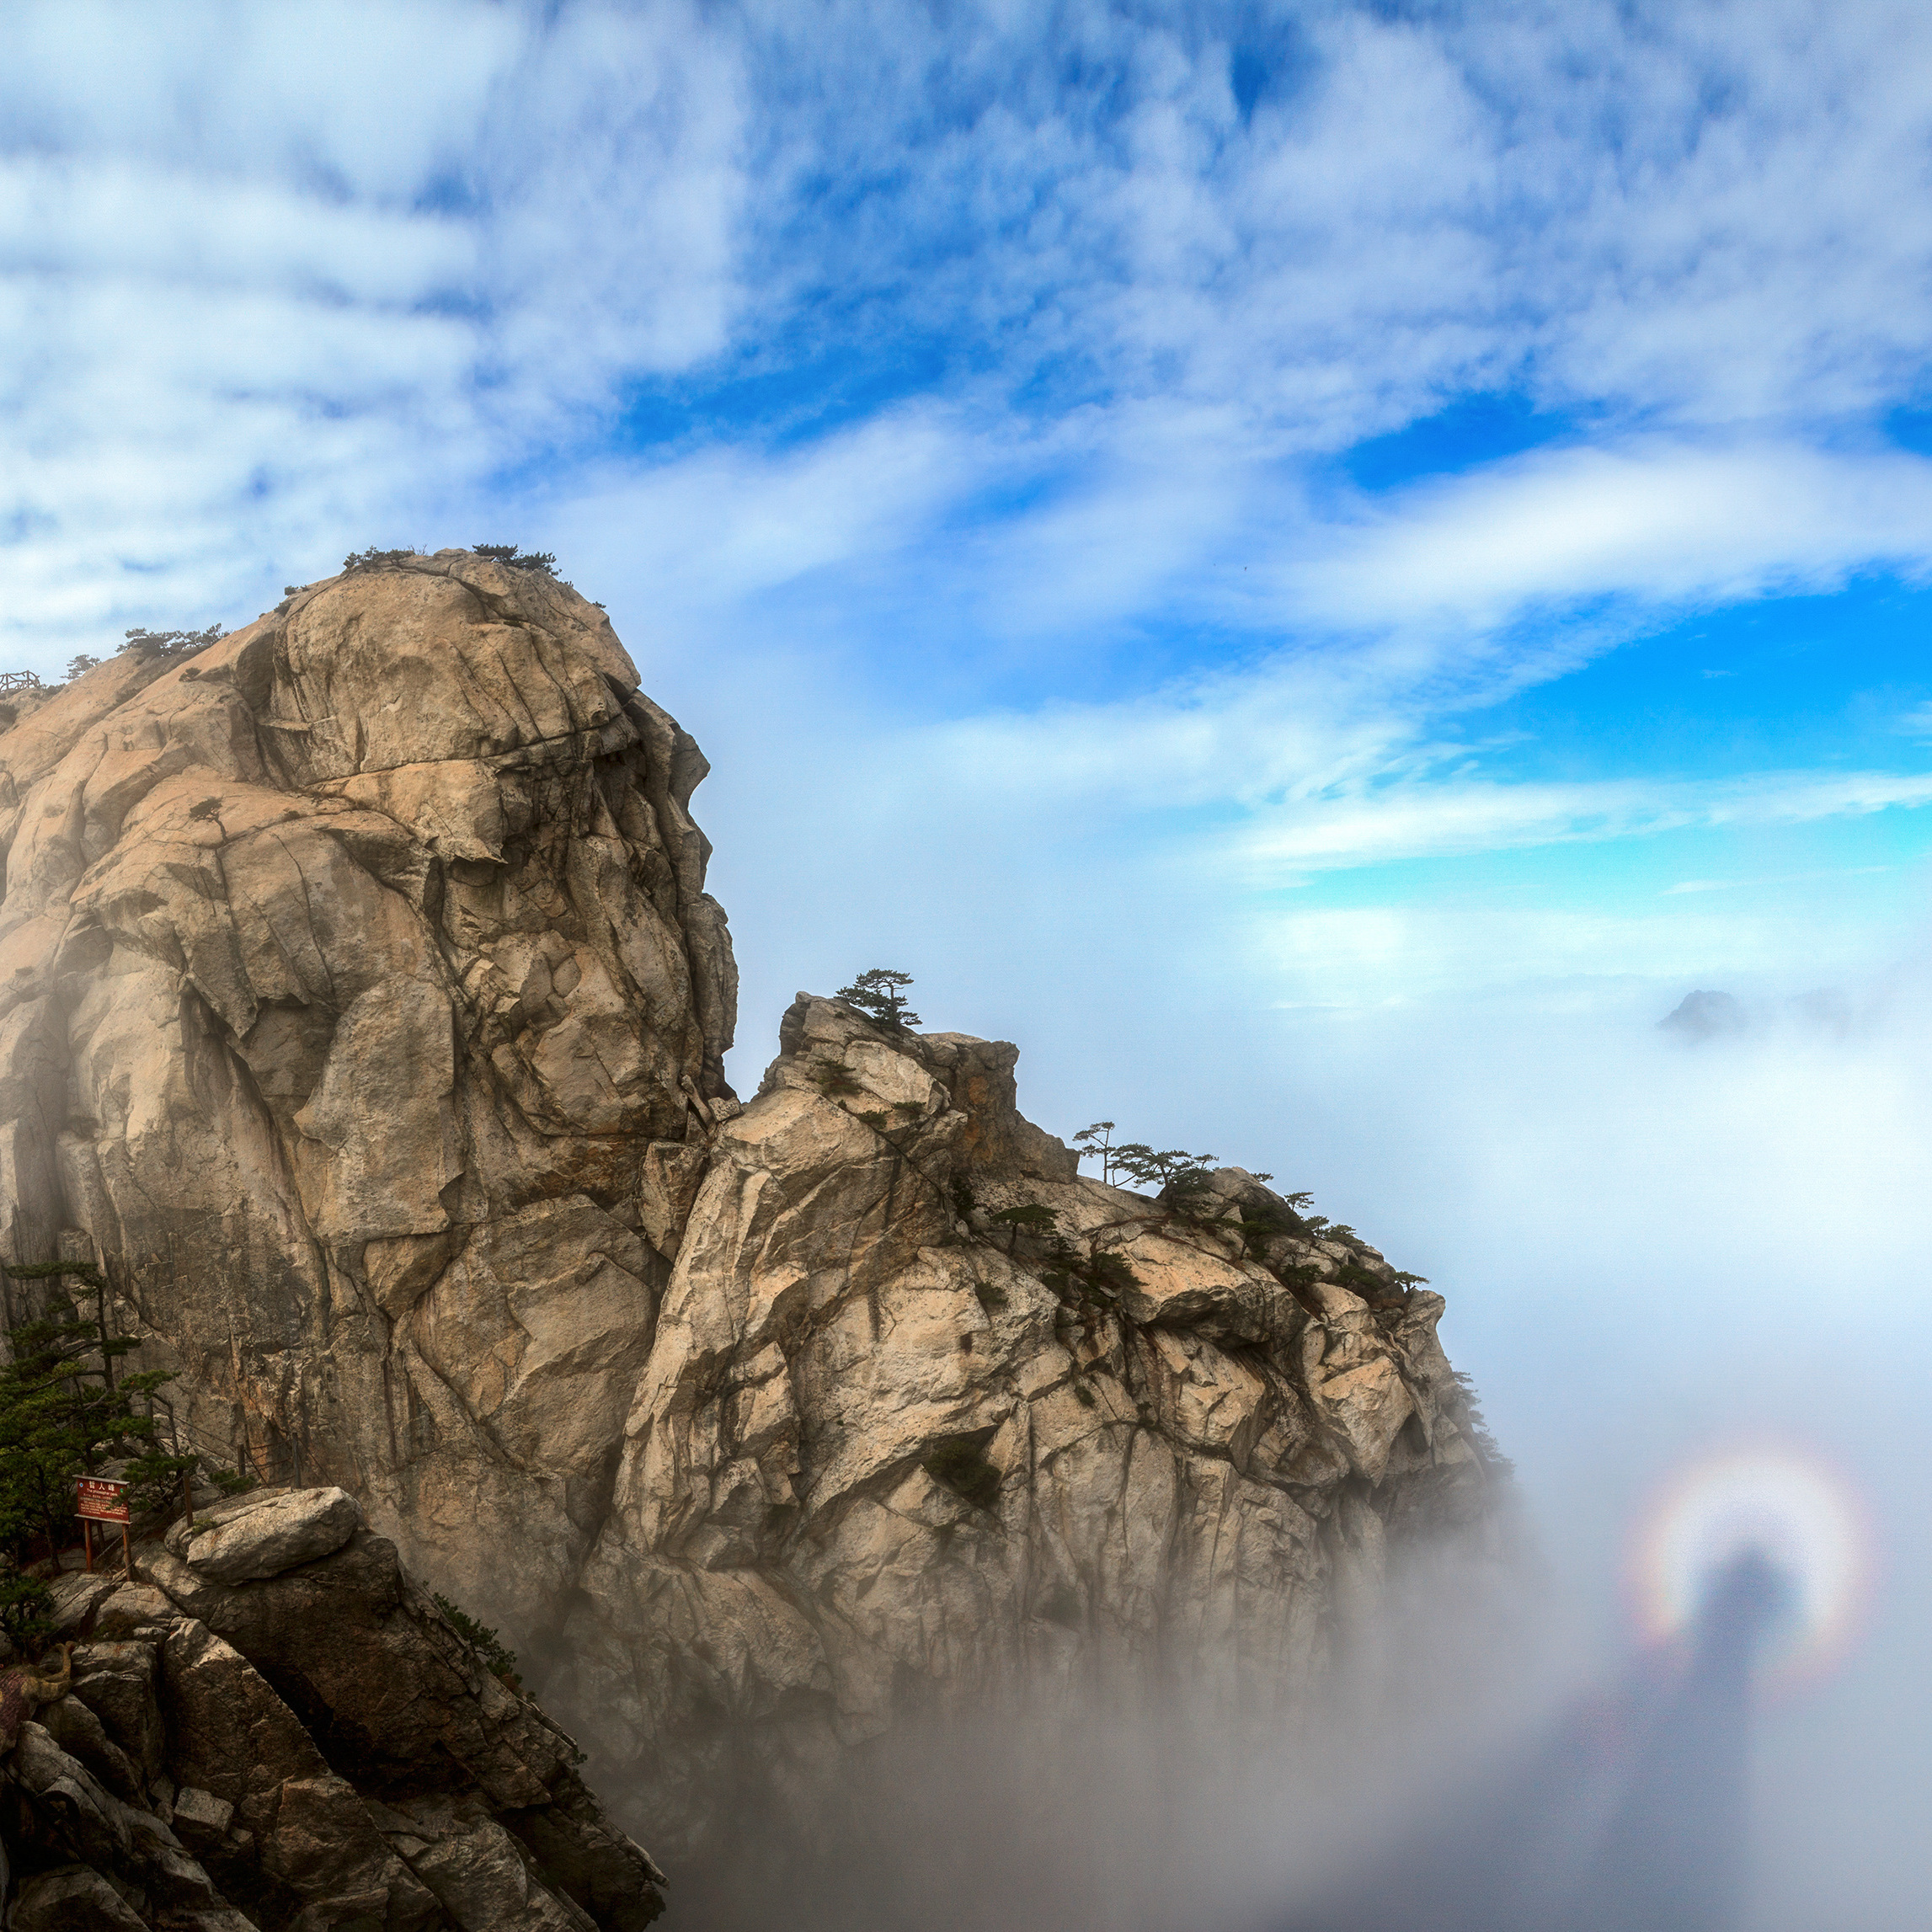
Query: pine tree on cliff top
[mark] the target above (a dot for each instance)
(876, 994)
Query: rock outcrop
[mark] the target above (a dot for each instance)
(315, 1746)
(359, 999)
(348, 971)
(930, 1419)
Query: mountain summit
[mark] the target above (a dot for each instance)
(362, 1006)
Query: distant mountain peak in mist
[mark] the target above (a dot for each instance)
(1705, 1015)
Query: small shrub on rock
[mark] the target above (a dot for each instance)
(25, 1607)
(876, 994)
(1171, 1167)
(1030, 1216)
(1033, 1218)
(512, 558)
(171, 643)
(500, 1662)
(1077, 1277)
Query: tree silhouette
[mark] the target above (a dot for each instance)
(876, 994)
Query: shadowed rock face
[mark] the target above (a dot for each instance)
(347, 970)
(359, 997)
(315, 1746)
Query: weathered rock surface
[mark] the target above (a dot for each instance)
(260, 1536)
(349, 969)
(360, 999)
(315, 1746)
(885, 1452)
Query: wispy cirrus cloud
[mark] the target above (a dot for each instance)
(258, 307)
(1653, 520)
(1458, 816)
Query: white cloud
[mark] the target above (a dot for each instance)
(1660, 522)
(1451, 817)
(466, 232)
(391, 273)
(258, 308)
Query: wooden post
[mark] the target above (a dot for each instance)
(88, 1543)
(126, 1554)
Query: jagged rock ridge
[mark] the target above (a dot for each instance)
(882, 1447)
(361, 999)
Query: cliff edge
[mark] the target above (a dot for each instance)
(348, 970)
(361, 1002)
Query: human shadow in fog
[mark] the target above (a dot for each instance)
(1631, 1816)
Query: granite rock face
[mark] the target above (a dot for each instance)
(348, 970)
(314, 1747)
(893, 1449)
(361, 1000)
(263, 1536)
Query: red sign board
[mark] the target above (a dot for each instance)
(100, 1497)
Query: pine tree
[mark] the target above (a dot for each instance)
(63, 1411)
(876, 994)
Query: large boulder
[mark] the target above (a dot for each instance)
(260, 1537)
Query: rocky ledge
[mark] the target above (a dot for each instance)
(271, 1726)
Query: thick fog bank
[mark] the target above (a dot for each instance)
(1128, 1805)
(1456, 1774)
(1659, 1252)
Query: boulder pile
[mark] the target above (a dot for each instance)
(270, 1727)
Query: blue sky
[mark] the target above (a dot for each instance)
(1318, 566)
(1442, 459)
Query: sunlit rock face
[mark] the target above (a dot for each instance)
(359, 997)
(348, 970)
(889, 1450)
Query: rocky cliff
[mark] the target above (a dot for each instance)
(361, 999)
(271, 1726)
(348, 971)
